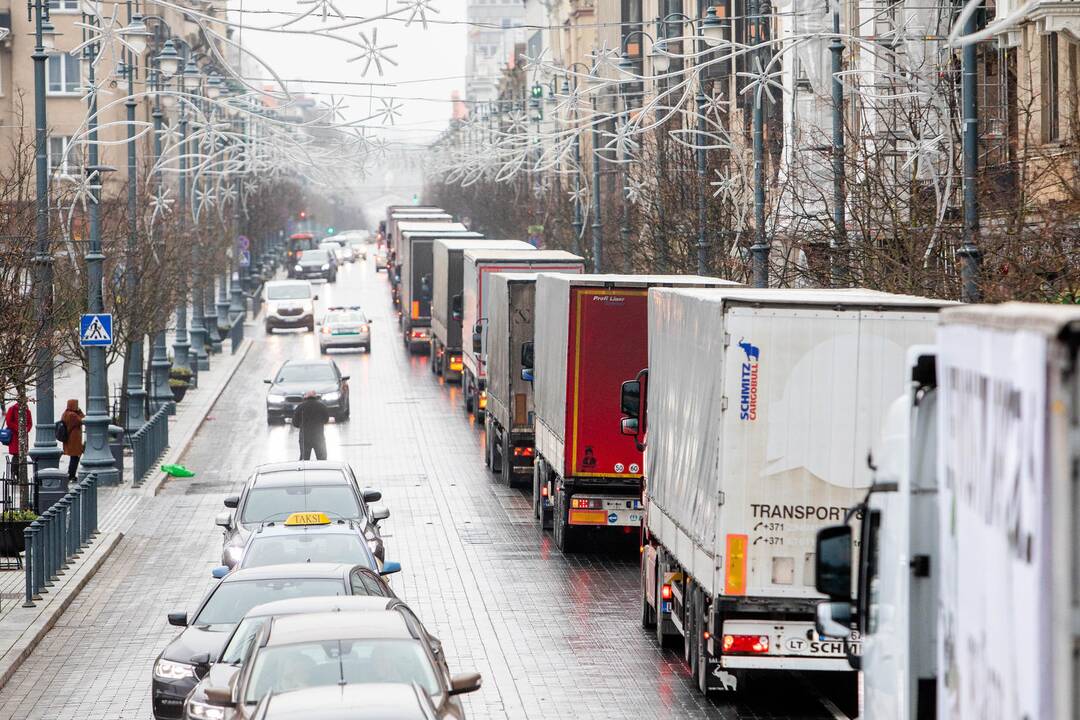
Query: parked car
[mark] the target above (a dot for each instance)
(340, 650)
(345, 327)
(289, 304)
(296, 377)
(317, 263)
(276, 490)
(185, 660)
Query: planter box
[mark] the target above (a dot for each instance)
(178, 393)
(12, 538)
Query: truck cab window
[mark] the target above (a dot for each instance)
(868, 571)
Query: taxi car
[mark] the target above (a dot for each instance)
(345, 327)
(296, 377)
(276, 490)
(309, 537)
(371, 701)
(340, 649)
(178, 667)
(370, 592)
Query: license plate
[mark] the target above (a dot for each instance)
(346, 332)
(820, 647)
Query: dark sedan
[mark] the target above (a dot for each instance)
(373, 701)
(177, 669)
(317, 263)
(296, 377)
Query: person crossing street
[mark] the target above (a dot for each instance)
(311, 417)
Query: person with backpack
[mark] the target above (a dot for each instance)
(311, 417)
(69, 432)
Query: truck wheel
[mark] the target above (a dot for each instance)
(700, 667)
(538, 467)
(504, 462)
(434, 355)
(466, 391)
(498, 451)
(487, 446)
(648, 613)
(565, 536)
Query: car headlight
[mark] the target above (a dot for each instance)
(169, 670)
(298, 268)
(331, 396)
(326, 266)
(275, 399)
(205, 711)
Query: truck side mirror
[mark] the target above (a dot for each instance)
(455, 308)
(629, 426)
(477, 338)
(527, 356)
(630, 399)
(833, 620)
(832, 563)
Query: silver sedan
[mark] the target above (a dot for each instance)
(344, 327)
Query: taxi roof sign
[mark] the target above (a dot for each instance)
(308, 518)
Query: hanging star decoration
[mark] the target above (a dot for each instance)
(725, 185)
(761, 80)
(715, 105)
(603, 56)
(322, 8)
(518, 121)
(169, 136)
(380, 148)
(103, 34)
(418, 9)
(634, 190)
(334, 109)
(579, 196)
(372, 53)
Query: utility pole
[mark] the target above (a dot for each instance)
(97, 457)
(160, 394)
(597, 227)
(839, 255)
(969, 249)
(702, 244)
(44, 453)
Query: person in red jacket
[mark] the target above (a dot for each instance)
(14, 415)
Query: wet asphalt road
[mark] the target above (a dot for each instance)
(554, 637)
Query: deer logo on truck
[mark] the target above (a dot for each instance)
(749, 382)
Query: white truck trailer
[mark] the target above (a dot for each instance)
(760, 409)
(966, 594)
(478, 265)
(446, 305)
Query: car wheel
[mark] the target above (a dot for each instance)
(311, 326)
(270, 419)
(367, 348)
(269, 330)
(322, 350)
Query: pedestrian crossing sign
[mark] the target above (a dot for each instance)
(95, 330)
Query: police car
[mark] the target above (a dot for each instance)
(309, 537)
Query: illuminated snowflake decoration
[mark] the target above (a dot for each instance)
(715, 106)
(418, 9)
(380, 148)
(602, 57)
(519, 122)
(323, 8)
(372, 53)
(161, 204)
(334, 109)
(579, 196)
(169, 135)
(761, 81)
(390, 110)
(103, 34)
(724, 185)
(634, 190)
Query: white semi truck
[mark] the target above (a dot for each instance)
(966, 559)
(759, 409)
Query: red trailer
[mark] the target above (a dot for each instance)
(591, 334)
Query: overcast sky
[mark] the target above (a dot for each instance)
(430, 63)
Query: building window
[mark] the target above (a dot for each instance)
(1051, 120)
(64, 74)
(61, 159)
(64, 5)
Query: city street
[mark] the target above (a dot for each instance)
(554, 637)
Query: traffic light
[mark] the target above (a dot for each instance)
(329, 231)
(303, 214)
(537, 91)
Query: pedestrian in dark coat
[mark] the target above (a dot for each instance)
(73, 446)
(311, 417)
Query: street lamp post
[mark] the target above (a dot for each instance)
(759, 251)
(160, 394)
(181, 344)
(839, 254)
(597, 226)
(97, 457)
(969, 249)
(200, 358)
(135, 34)
(44, 452)
(578, 222)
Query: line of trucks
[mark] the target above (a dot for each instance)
(753, 442)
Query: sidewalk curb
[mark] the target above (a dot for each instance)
(50, 611)
(176, 452)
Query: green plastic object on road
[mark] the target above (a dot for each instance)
(177, 471)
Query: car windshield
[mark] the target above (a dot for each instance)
(277, 503)
(313, 256)
(302, 547)
(234, 650)
(232, 600)
(336, 662)
(288, 292)
(293, 373)
(346, 317)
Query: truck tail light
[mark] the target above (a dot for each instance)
(665, 592)
(418, 334)
(523, 452)
(587, 503)
(543, 491)
(746, 644)
(455, 363)
(483, 399)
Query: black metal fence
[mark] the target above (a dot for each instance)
(148, 444)
(57, 536)
(236, 333)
